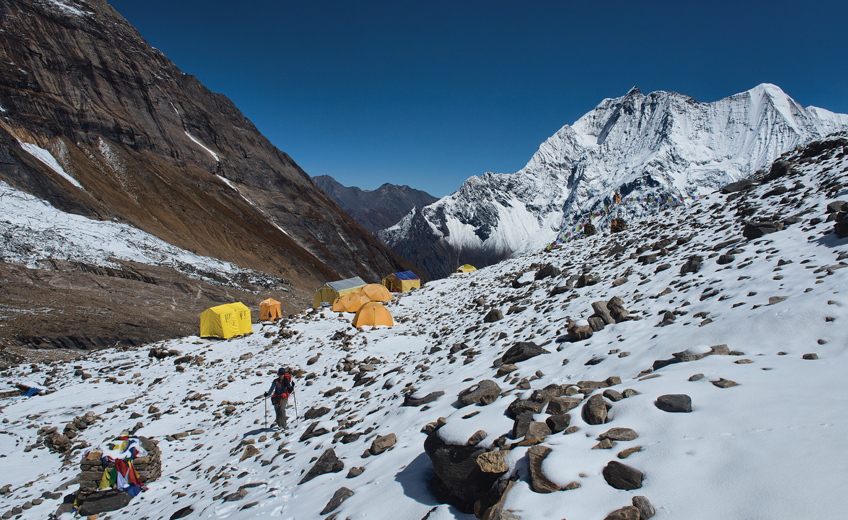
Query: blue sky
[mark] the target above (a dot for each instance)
(429, 93)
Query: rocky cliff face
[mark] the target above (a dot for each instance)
(662, 144)
(131, 138)
(375, 209)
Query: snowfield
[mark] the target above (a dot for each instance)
(768, 447)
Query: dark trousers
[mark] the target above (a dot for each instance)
(280, 409)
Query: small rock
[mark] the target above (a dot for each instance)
(339, 496)
(629, 451)
(595, 410)
(477, 438)
(493, 461)
(776, 299)
(249, 451)
(355, 472)
(521, 351)
(625, 513)
(328, 462)
(675, 403)
(539, 482)
(622, 476)
(382, 443)
(724, 383)
(646, 510)
(485, 392)
(562, 404)
(605, 444)
(810, 356)
(558, 423)
(619, 434)
(493, 316)
(696, 377)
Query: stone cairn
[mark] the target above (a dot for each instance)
(149, 468)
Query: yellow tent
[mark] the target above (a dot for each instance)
(401, 282)
(351, 302)
(373, 314)
(467, 268)
(270, 310)
(376, 293)
(243, 317)
(331, 291)
(225, 321)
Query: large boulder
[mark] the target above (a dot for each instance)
(603, 312)
(493, 316)
(733, 187)
(754, 230)
(692, 265)
(484, 392)
(457, 477)
(411, 400)
(547, 272)
(580, 330)
(587, 279)
(521, 351)
(104, 501)
(778, 170)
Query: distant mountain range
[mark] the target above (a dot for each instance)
(659, 144)
(375, 209)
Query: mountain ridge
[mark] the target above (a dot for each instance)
(663, 143)
(374, 209)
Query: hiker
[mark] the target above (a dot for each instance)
(279, 392)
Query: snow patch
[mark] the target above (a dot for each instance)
(47, 158)
(213, 154)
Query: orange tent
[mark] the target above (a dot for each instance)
(376, 293)
(373, 314)
(270, 310)
(350, 302)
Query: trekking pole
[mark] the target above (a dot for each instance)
(266, 412)
(297, 420)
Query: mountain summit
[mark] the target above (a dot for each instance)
(663, 143)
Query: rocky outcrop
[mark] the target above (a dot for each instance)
(458, 479)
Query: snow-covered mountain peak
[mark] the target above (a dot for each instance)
(659, 145)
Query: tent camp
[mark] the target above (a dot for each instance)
(330, 291)
(373, 314)
(376, 293)
(401, 282)
(350, 302)
(225, 321)
(270, 310)
(467, 268)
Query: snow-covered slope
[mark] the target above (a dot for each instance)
(660, 144)
(33, 233)
(770, 447)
